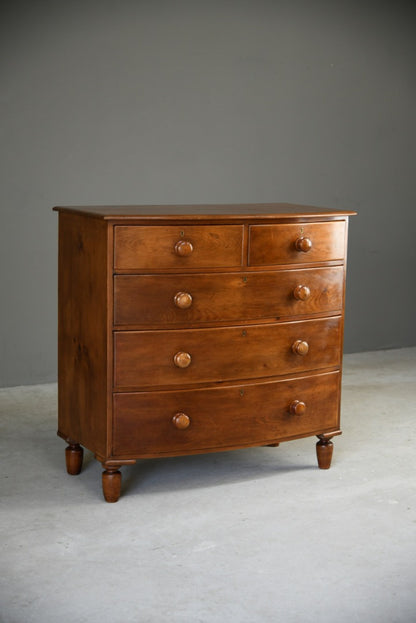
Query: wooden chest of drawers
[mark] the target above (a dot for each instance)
(190, 329)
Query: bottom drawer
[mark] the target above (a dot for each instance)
(181, 422)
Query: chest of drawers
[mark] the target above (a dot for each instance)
(191, 329)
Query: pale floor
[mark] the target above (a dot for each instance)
(249, 536)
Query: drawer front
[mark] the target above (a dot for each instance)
(172, 422)
(283, 243)
(178, 357)
(192, 246)
(225, 297)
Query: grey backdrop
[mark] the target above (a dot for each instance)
(171, 102)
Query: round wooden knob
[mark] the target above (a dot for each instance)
(181, 420)
(297, 407)
(301, 293)
(303, 244)
(183, 300)
(300, 347)
(182, 360)
(184, 248)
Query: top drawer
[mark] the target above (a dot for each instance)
(296, 243)
(192, 246)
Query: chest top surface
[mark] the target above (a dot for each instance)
(207, 212)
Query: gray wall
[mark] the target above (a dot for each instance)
(170, 102)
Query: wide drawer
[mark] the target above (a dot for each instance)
(225, 297)
(296, 243)
(178, 357)
(172, 422)
(192, 246)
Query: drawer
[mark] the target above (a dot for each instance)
(296, 243)
(224, 297)
(178, 357)
(173, 422)
(190, 246)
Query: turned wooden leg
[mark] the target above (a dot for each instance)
(324, 450)
(73, 457)
(111, 483)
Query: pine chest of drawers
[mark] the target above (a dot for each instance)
(191, 329)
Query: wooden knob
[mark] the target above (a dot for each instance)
(301, 293)
(297, 407)
(183, 300)
(182, 360)
(300, 347)
(184, 248)
(303, 244)
(181, 420)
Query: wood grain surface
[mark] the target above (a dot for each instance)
(223, 417)
(276, 244)
(146, 358)
(156, 247)
(225, 297)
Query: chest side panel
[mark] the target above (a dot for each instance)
(82, 331)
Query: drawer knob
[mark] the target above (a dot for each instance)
(181, 420)
(300, 347)
(183, 300)
(301, 293)
(182, 360)
(297, 407)
(184, 248)
(303, 244)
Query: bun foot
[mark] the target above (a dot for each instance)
(324, 450)
(111, 479)
(73, 458)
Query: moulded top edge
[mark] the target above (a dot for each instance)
(201, 212)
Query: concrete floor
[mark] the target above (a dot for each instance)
(255, 535)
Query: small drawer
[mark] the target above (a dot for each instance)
(296, 243)
(191, 246)
(174, 422)
(225, 297)
(181, 357)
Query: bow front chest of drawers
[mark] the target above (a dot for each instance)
(191, 329)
